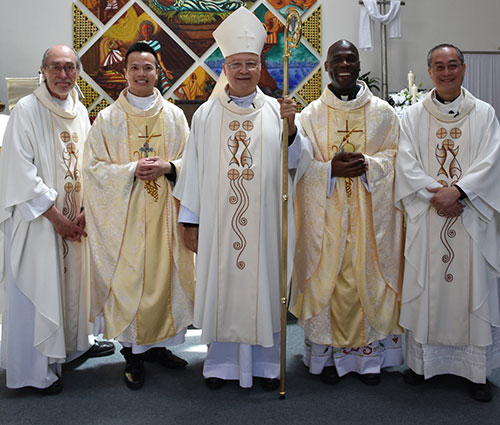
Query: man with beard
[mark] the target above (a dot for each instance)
(346, 280)
(46, 321)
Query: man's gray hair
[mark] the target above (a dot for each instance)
(442, 46)
(45, 58)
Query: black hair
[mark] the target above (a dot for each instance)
(141, 46)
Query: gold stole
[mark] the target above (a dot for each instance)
(347, 318)
(239, 208)
(449, 254)
(143, 275)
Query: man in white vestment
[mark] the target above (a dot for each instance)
(230, 188)
(447, 182)
(142, 274)
(347, 276)
(46, 318)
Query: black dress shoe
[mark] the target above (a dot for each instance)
(165, 357)
(133, 375)
(269, 384)
(412, 378)
(329, 375)
(101, 349)
(481, 392)
(214, 383)
(53, 389)
(370, 378)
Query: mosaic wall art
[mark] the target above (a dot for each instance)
(193, 21)
(311, 90)
(105, 60)
(311, 29)
(180, 31)
(89, 94)
(83, 28)
(302, 60)
(98, 108)
(104, 10)
(197, 86)
(282, 6)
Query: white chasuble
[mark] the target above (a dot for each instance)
(231, 180)
(42, 154)
(450, 289)
(239, 199)
(142, 273)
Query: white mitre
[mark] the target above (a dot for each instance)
(240, 32)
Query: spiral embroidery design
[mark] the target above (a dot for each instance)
(444, 151)
(239, 173)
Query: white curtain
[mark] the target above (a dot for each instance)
(482, 77)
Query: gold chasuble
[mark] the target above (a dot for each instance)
(349, 245)
(143, 274)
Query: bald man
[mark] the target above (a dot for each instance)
(46, 320)
(346, 281)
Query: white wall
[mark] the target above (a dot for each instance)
(28, 27)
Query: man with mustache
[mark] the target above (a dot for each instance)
(46, 321)
(345, 288)
(447, 182)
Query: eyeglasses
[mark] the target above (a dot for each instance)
(56, 69)
(250, 65)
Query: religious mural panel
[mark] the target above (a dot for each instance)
(197, 86)
(105, 60)
(301, 63)
(193, 21)
(282, 6)
(104, 10)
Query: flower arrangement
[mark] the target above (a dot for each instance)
(404, 98)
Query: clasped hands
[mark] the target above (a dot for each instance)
(446, 201)
(348, 164)
(152, 168)
(67, 229)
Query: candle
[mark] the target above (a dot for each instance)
(414, 92)
(411, 80)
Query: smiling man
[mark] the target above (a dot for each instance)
(46, 321)
(447, 182)
(346, 280)
(230, 189)
(143, 276)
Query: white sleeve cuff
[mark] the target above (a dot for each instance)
(294, 152)
(34, 208)
(188, 216)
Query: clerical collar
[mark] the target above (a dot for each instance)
(139, 102)
(243, 102)
(351, 96)
(65, 104)
(451, 107)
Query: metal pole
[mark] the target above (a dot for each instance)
(383, 52)
(291, 40)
